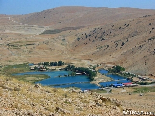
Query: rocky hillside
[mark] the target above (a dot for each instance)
(25, 99)
(130, 43)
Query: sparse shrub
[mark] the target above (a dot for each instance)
(152, 38)
(16, 89)
(102, 39)
(55, 90)
(127, 25)
(1, 92)
(122, 44)
(65, 95)
(78, 39)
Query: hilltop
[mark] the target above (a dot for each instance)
(73, 16)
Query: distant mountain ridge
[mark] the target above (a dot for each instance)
(80, 16)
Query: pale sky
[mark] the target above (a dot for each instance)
(30, 6)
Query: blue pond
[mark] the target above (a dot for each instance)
(79, 81)
(116, 78)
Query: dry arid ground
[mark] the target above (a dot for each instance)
(134, 101)
(83, 36)
(21, 98)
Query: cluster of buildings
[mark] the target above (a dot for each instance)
(44, 68)
(143, 78)
(130, 84)
(38, 67)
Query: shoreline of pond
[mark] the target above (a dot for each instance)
(62, 82)
(27, 75)
(101, 78)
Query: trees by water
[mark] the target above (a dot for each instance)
(59, 63)
(116, 69)
(90, 73)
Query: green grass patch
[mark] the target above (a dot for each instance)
(18, 68)
(9, 70)
(52, 31)
(19, 44)
(144, 89)
(31, 78)
(55, 31)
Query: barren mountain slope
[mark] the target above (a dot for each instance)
(80, 16)
(129, 43)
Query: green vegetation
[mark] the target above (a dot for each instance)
(90, 73)
(144, 89)
(30, 78)
(145, 83)
(128, 74)
(52, 31)
(19, 44)
(78, 39)
(9, 70)
(116, 69)
(59, 63)
(55, 31)
(18, 68)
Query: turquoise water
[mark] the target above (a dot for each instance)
(79, 81)
(116, 78)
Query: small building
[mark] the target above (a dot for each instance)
(118, 85)
(32, 68)
(133, 85)
(127, 84)
(78, 73)
(42, 68)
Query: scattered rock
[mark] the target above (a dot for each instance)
(37, 86)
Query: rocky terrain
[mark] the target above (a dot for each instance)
(18, 98)
(21, 98)
(129, 43)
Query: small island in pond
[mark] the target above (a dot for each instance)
(82, 71)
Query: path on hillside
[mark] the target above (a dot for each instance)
(12, 20)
